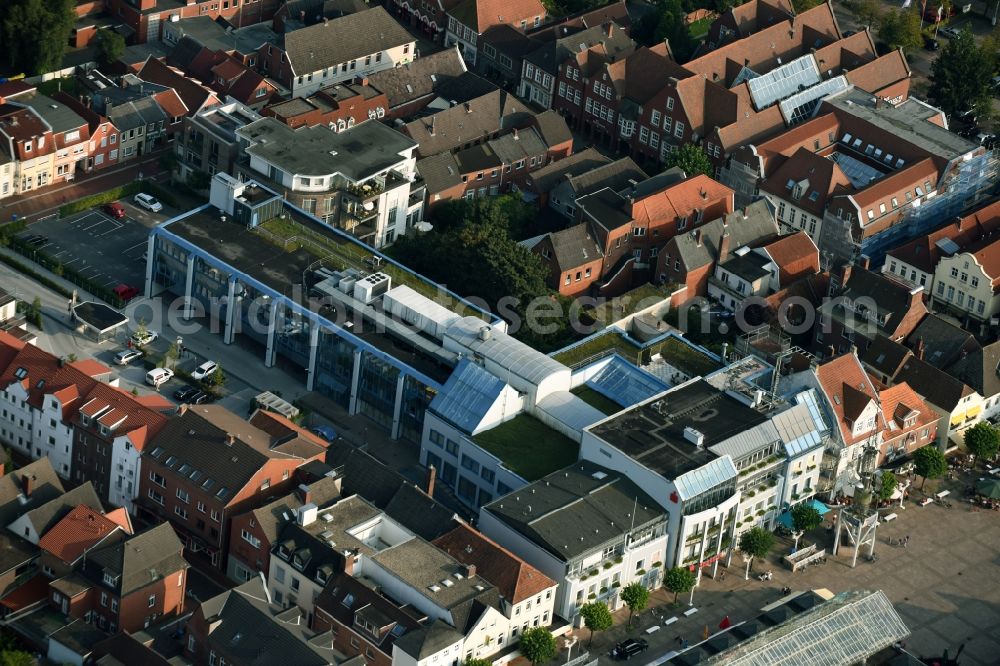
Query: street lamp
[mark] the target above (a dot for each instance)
(569, 642)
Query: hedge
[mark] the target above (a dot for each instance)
(116, 193)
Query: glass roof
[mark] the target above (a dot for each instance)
(625, 384)
(467, 396)
(800, 105)
(859, 173)
(783, 81)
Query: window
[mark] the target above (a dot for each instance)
(679, 129)
(157, 479)
(279, 574)
(470, 464)
(451, 447)
(215, 515)
(670, 104)
(181, 512)
(295, 583)
(201, 507)
(155, 496)
(655, 118)
(250, 538)
(644, 135)
(104, 599)
(152, 600)
(114, 605)
(488, 475)
(975, 282)
(183, 496)
(265, 484)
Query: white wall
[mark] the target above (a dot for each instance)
(125, 473)
(36, 433)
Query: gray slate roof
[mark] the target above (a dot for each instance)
(546, 178)
(981, 370)
(428, 641)
(943, 341)
(518, 145)
(574, 246)
(759, 225)
(251, 632)
(45, 487)
(615, 175)
(552, 54)
(553, 128)
(137, 113)
(143, 559)
(419, 78)
(465, 123)
(440, 172)
(59, 116)
(344, 39)
(550, 511)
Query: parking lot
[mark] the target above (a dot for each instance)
(99, 247)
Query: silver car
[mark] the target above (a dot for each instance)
(148, 202)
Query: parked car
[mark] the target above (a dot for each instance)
(199, 398)
(184, 394)
(204, 370)
(931, 44)
(126, 356)
(148, 202)
(629, 648)
(37, 240)
(159, 376)
(325, 432)
(126, 292)
(114, 209)
(144, 337)
(950, 33)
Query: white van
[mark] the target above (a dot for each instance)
(158, 376)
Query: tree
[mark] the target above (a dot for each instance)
(110, 46)
(982, 440)
(888, 485)
(672, 27)
(16, 658)
(691, 159)
(635, 596)
(803, 5)
(679, 580)
(36, 33)
(929, 463)
(170, 358)
(962, 75)
(538, 645)
(868, 12)
(596, 617)
(805, 518)
(757, 543)
(901, 29)
(217, 378)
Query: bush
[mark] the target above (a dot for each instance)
(116, 193)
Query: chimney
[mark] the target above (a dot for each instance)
(854, 350)
(865, 262)
(431, 478)
(305, 493)
(302, 16)
(516, 137)
(230, 439)
(611, 29)
(697, 236)
(350, 559)
(469, 571)
(920, 348)
(845, 277)
(182, 409)
(307, 514)
(26, 483)
(468, 107)
(431, 131)
(704, 193)
(723, 248)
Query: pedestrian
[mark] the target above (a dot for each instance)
(685, 644)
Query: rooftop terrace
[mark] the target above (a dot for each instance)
(528, 447)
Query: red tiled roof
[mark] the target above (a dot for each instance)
(514, 578)
(844, 379)
(171, 103)
(824, 178)
(91, 368)
(923, 252)
(796, 256)
(80, 530)
(45, 374)
(120, 518)
(488, 13)
(194, 95)
(902, 395)
(881, 72)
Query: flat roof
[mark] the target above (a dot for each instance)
(99, 316)
(528, 447)
(358, 152)
(653, 433)
(281, 269)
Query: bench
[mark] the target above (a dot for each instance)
(690, 611)
(926, 501)
(670, 621)
(653, 629)
(889, 518)
(943, 494)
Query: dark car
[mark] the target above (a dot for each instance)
(115, 210)
(629, 648)
(184, 394)
(200, 398)
(931, 44)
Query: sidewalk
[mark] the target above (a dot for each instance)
(47, 201)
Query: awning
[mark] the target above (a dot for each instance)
(786, 517)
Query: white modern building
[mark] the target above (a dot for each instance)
(589, 528)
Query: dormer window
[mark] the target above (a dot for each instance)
(110, 579)
(84, 419)
(27, 146)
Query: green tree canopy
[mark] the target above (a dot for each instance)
(962, 75)
(887, 485)
(16, 658)
(805, 517)
(901, 29)
(538, 645)
(691, 159)
(756, 542)
(110, 46)
(804, 5)
(596, 617)
(868, 12)
(982, 440)
(679, 580)
(36, 33)
(672, 28)
(473, 251)
(635, 596)
(930, 463)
